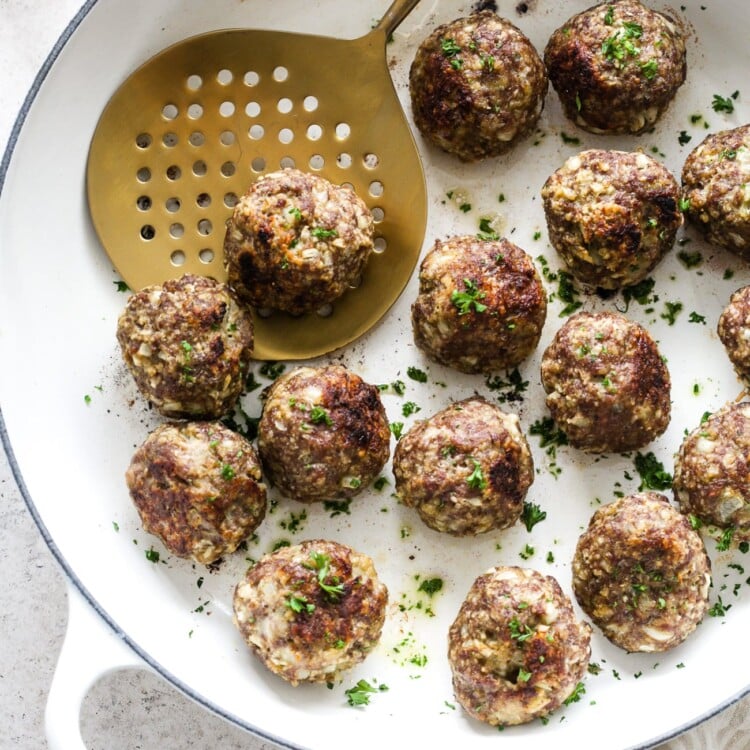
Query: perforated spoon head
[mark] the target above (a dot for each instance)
(187, 133)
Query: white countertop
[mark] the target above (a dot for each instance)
(127, 709)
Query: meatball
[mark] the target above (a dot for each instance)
(481, 305)
(312, 610)
(296, 242)
(716, 189)
(607, 386)
(197, 486)
(323, 433)
(734, 331)
(641, 573)
(188, 343)
(466, 469)
(712, 471)
(516, 649)
(477, 86)
(616, 66)
(611, 215)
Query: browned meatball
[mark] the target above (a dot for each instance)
(466, 469)
(516, 649)
(323, 433)
(611, 215)
(607, 386)
(477, 86)
(296, 242)
(641, 573)
(616, 66)
(312, 610)
(197, 486)
(188, 344)
(481, 305)
(716, 189)
(712, 471)
(734, 331)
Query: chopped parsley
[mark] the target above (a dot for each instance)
(338, 507)
(532, 515)
(652, 472)
(576, 695)
(695, 318)
(121, 286)
(227, 472)
(513, 387)
(718, 608)
(323, 234)
(322, 565)
(272, 370)
(299, 604)
(724, 103)
(397, 428)
(410, 408)
(152, 555)
(640, 292)
(690, 260)
(359, 695)
(476, 479)
(671, 311)
(621, 45)
(379, 483)
(416, 374)
(318, 415)
(567, 293)
(571, 140)
(684, 204)
(431, 586)
(486, 232)
(684, 138)
(469, 297)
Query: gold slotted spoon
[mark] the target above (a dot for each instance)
(195, 125)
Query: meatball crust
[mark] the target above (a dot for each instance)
(296, 242)
(616, 67)
(716, 188)
(516, 649)
(712, 471)
(481, 305)
(323, 433)
(611, 215)
(466, 469)
(477, 86)
(188, 344)
(197, 486)
(312, 610)
(607, 386)
(641, 573)
(734, 331)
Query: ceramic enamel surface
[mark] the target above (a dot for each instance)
(59, 303)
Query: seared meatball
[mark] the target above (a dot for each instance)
(296, 242)
(712, 470)
(323, 433)
(516, 649)
(734, 331)
(477, 86)
(611, 215)
(716, 188)
(312, 610)
(466, 469)
(188, 344)
(616, 66)
(197, 486)
(481, 305)
(641, 573)
(607, 386)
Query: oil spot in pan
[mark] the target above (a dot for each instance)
(484, 5)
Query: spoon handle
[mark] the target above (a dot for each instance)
(397, 12)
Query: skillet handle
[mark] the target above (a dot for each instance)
(90, 650)
(397, 12)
